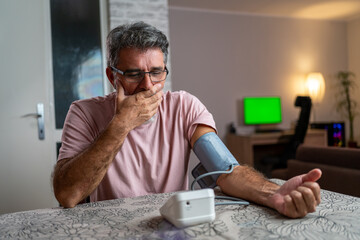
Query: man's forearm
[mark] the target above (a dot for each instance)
(245, 182)
(295, 198)
(75, 178)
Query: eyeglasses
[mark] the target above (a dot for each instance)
(138, 76)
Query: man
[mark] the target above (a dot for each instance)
(137, 140)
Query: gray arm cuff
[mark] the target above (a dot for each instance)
(213, 154)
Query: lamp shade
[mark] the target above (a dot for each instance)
(315, 86)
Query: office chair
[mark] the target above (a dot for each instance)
(304, 102)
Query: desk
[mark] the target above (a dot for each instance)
(242, 146)
(337, 217)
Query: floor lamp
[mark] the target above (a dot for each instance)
(315, 87)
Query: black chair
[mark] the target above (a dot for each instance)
(304, 102)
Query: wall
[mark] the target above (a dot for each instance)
(222, 57)
(353, 35)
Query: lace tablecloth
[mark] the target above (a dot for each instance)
(337, 217)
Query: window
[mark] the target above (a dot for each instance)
(76, 53)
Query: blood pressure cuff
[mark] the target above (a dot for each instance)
(213, 156)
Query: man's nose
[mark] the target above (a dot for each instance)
(146, 83)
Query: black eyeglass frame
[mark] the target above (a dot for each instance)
(142, 73)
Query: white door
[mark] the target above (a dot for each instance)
(26, 162)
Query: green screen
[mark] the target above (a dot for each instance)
(262, 110)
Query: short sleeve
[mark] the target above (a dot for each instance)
(196, 113)
(77, 133)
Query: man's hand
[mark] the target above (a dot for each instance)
(298, 196)
(136, 109)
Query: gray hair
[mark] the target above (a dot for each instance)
(136, 35)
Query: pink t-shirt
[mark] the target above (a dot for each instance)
(154, 156)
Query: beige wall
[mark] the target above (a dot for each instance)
(221, 58)
(353, 33)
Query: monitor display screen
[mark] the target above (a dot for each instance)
(262, 110)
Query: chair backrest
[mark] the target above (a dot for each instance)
(304, 102)
(334, 156)
(304, 118)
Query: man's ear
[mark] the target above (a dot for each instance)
(110, 76)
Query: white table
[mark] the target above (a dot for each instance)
(337, 217)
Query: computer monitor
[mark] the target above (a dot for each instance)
(262, 110)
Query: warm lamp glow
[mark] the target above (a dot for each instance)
(315, 85)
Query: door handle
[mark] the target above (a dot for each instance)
(35, 115)
(40, 119)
